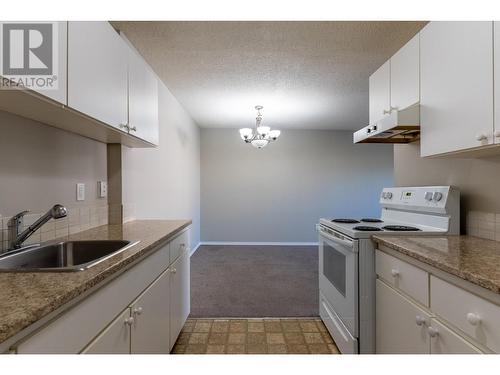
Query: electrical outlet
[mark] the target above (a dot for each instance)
(102, 189)
(80, 192)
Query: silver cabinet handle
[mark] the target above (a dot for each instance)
(129, 321)
(174, 270)
(132, 129)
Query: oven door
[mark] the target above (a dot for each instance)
(338, 275)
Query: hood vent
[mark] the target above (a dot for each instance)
(400, 126)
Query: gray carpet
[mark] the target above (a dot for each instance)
(254, 281)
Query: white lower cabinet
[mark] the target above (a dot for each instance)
(115, 339)
(445, 341)
(180, 296)
(150, 333)
(141, 311)
(401, 326)
(455, 321)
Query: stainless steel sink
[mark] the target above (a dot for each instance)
(63, 256)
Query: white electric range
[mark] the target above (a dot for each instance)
(347, 257)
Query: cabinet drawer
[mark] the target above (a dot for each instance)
(178, 245)
(459, 307)
(403, 276)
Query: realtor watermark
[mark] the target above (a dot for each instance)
(29, 55)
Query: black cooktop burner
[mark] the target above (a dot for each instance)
(366, 228)
(371, 220)
(346, 221)
(401, 228)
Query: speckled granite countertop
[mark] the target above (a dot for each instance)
(473, 259)
(25, 298)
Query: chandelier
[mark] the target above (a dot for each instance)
(263, 134)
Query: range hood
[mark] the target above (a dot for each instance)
(400, 126)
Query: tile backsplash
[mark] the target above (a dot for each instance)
(484, 225)
(78, 219)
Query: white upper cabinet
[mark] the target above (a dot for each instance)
(97, 72)
(496, 66)
(456, 86)
(405, 75)
(380, 93)
(143, 99)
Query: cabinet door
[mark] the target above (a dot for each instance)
(143, 99)
(445, 341)
(405, 75)
(151, 326)
(115, 339)
(401, 326)
(456, 86)
(379, 92)
(180, 292)
(496, 57)
(97, 72)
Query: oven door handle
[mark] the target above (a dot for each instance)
(340, 241)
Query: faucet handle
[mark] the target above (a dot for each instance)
(17, 220)
(20, 215)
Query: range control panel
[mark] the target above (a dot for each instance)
(417, 198)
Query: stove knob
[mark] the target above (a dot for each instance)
(428, 196)
(437, 196)
(389, 195)
(384, 195)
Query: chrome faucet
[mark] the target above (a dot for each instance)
(16, 237)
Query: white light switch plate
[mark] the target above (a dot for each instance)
(102, 189)
(80, 192)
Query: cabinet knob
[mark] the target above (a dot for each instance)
(129, 321)
(389, 111)
(420, 320)
(481, 137)
(433, 332)
(137, 311)
(174, 270)
(473, 319)
(133, 129)
(394, 273)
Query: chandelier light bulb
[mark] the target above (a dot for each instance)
(259, 143)
(246, 133)
(274, 134)
(263, 130)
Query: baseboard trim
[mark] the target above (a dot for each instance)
(258, 243)
(194, 249)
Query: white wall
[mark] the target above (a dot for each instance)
(40, 166)
(277, 194)
(164, 182)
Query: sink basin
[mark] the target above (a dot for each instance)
(63, 256)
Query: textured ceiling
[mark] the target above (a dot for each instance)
(308, 75)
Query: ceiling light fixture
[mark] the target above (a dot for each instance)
(263, 134)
